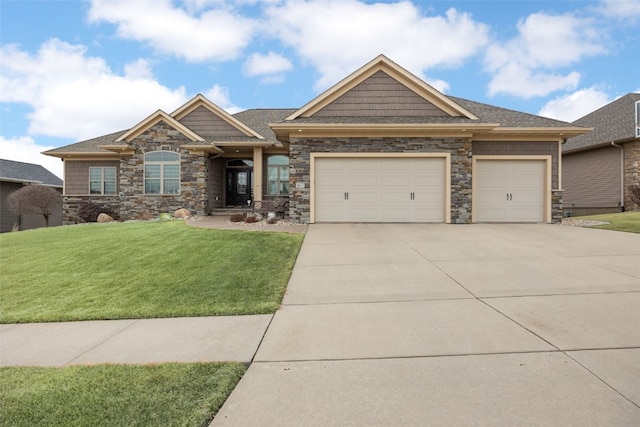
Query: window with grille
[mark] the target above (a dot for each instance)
(161, 172)
(102, 180)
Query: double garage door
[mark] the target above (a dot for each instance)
(380, 189)
(415, 189)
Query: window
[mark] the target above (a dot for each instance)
(278, 175)
(102, 180)
(161, 172)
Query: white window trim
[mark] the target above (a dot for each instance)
(102, 180)
(162, 179)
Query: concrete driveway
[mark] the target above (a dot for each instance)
(451, 325)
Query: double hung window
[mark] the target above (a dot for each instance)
(102, 180)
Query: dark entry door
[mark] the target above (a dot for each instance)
(238, 187)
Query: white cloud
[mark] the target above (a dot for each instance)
(76, 96)
(270, 64)
(575, 105)
(518, 80)
(523, 66)
(216, 34)
(219, 95)
(338, 36)
(621, 9)
(25, 149)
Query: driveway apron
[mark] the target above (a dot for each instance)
(435, 324)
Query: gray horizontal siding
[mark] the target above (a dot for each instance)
(380, 96)
(592, 179)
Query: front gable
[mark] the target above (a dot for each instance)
(209, 120)
(378, 87)
(151, 121)
(380, 95)
(209, 125)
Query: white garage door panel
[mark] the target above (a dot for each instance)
(379, 189)
(510, 191)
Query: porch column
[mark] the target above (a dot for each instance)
(257, 173)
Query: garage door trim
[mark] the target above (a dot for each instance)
(547, 180)
(447, 177)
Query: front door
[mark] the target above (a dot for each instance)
(238, 187)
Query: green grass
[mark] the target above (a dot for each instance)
(626, 221)
(141, 270)
(116, 395)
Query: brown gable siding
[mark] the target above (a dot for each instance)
(76, 175)
(591, 179)
(380, 96)
(205, 123)
(520, 148)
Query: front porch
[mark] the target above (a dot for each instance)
(243, 177)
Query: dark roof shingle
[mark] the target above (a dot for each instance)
(27, 172)
(612, 123)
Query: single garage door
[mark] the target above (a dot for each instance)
(509, 191)
(379, 189)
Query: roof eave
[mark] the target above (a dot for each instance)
(207, 148)
(79, 154)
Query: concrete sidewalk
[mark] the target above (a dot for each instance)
(193, 339)
(451, 325)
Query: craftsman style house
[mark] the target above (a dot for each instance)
(379, 146)
(601, 167)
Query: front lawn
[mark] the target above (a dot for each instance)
(625, 221)
(116, 395)
(141, 270)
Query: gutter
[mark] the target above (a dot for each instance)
(613, 144)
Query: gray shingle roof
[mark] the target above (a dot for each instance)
(90, 145)
(259, 119)
(612, 123)
(509, 118)
(27, 172)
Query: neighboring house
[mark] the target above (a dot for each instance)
(599, 167)
(15, 175)
(379, 146)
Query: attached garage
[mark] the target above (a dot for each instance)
(375, 188)
(511, 189)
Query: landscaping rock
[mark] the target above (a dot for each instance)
(182, 213)
(103, 217)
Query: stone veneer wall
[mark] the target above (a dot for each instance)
(300, 155)
(631, 172)
(194, 180)
(556, 206)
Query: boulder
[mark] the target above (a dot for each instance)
(103, 217)
(182, 213)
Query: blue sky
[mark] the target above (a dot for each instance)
(73, 70)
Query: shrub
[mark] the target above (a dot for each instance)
(237, 217)
(89, 211)
(272, 220)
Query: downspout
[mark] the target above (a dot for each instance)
(621, 174)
